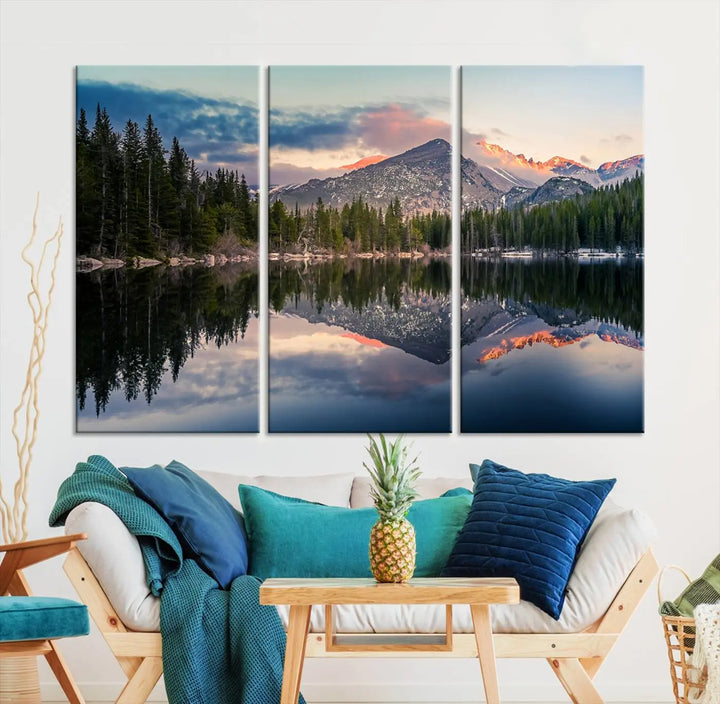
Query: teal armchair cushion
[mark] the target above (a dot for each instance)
(40, 618)
(289, 537)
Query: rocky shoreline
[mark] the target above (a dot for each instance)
(88, 264)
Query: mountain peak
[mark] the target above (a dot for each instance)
(506, 156)
(433, 149)
(420, 178)
(437, 143)
(563, 161)
(521, 168)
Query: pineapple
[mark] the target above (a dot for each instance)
(392, 539)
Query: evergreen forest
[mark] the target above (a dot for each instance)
(356, 227)
(137, 198)
(608, 218)
(134, 197)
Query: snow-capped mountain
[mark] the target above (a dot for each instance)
(417, 324)
(420, 178)
(618, 170)
(537, 172)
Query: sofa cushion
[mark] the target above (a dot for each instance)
(40, 617)
(210, 530)
(427, 488)
(113, 554)
(615, 542)
(328, 489)
(526, 526)
(289, 537)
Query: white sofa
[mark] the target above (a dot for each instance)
(613, 549)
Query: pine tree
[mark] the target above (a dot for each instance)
(103, 151)
(153, 167)
(84, 186)
(133, 196)
(248, 228)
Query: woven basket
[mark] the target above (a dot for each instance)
(680, 640)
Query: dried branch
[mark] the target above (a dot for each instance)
(13, 517)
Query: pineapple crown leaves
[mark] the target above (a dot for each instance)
(393, 477)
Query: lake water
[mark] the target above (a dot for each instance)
(552, 345)
(360, 345)
(167, 349)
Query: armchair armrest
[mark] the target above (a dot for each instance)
(43, 542)
(21, 555)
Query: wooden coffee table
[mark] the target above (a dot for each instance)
(302, 594)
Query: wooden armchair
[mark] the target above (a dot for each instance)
(30, 625)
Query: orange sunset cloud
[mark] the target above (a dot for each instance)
(365, 161)
(395, 128)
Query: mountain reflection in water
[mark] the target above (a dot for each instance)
(552, 346)
(360, 345)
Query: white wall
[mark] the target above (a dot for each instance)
(672, 471)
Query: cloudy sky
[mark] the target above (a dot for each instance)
(590, 114)
(323, 118)
(212, 110)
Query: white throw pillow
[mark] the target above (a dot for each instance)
(328, 489)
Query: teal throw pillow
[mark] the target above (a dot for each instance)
(459, 491)
(289, 537)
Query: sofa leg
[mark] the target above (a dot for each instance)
(592, 665)
(139, 686)
(575, 680)
(63, 676)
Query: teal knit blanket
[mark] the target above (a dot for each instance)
(219, 647)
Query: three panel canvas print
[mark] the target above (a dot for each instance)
(359, 240)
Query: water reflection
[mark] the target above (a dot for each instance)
(360, 345)
(167, 350)
(552, 346)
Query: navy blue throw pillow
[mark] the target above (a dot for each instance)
(210, 530)
(526, 526)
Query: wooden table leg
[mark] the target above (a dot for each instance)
(486, 651)
(298, 626)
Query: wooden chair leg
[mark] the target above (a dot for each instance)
(63, 676)
(139, 686)
(575, 680)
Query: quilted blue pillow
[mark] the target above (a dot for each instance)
(209, 529)
(526, 526)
